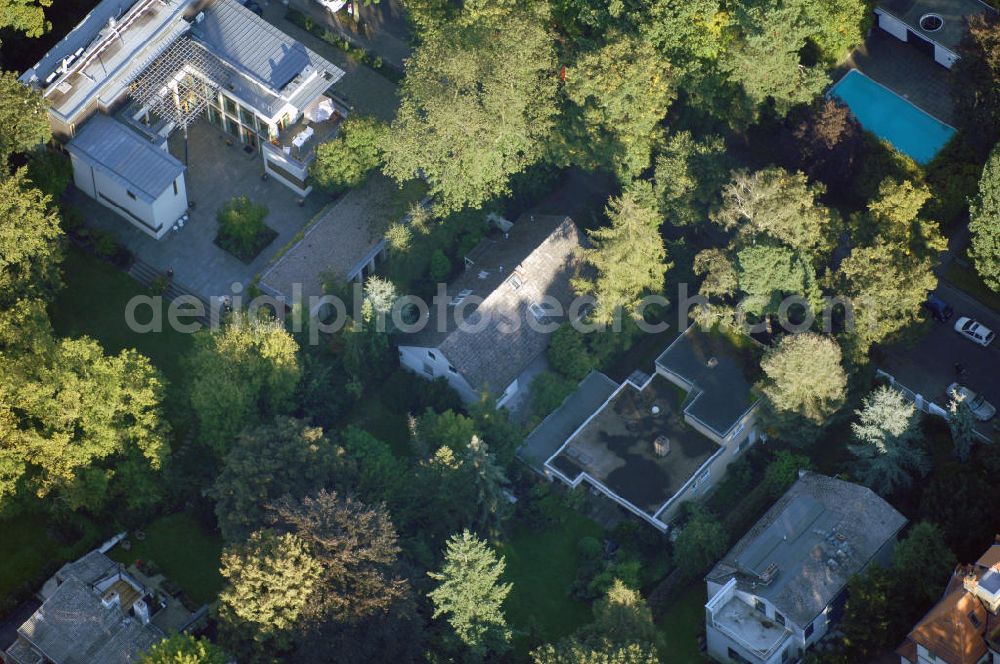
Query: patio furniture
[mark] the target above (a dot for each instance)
(303, 136)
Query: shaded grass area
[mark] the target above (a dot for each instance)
(184, 551)
(542, 563)
(682, 624)
(93, 303)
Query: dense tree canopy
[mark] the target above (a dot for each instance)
(975, 81)
(80, 426)
(619, 95)
(628, 256)
(888, 434)
(345, 161)
(984, 223)
(24, 117)
(269, 580)
(478, 103)
(244, 372)
(184, 649)
(30, 249)
(266, 463)
(689, 174)
(804, 384)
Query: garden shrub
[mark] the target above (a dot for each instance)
(242, 231)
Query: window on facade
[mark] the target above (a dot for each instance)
(428, 369)
(809, 630)
(229, 105)
(452, 369)
(175, 188)
(974, 619)
(130, 194)
(736, 657)
(778, 618)
(431, 355)
(738, 430)
(760, 606)
(247, 117)
(515, 281)
(786, 655)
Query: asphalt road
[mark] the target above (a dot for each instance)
(928, 366)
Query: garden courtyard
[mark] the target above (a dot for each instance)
(218, 170)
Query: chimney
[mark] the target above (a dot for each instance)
(111, 599)
(141, 610)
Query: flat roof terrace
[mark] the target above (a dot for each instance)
(617, 446)
(948, 29)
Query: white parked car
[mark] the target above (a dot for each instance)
(980, 407)
(974, 331)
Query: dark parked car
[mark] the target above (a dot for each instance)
(940, 310)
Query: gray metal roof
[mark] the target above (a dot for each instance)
(720, 372)
(803, 551)
(953, 12)
(549, 436)
(286, 68)
(124, 154)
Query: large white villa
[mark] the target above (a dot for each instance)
(129, 75)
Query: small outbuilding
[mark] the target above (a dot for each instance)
(936, 26)
(130, 173)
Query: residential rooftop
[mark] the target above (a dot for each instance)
(802, 552)
(720, 373)
(144, 168)
(616, 447)
(506, 274)
(953, 14)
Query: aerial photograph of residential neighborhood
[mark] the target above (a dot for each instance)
(496, 331)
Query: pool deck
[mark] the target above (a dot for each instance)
(906, 71)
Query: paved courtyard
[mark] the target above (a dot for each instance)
(216, 173)
(907, 71)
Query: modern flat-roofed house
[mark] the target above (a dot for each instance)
(156, 65)
(500, 312)
(658, 441)
(777, 591)
(964, 626)
(935, 26)
(95, 612)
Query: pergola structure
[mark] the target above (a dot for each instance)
(180, 82)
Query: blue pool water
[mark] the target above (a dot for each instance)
(889, 116)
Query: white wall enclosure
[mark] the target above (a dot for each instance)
(130, 174)
(934, 26)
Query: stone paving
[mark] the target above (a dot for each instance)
(906, 70)
(216, 173)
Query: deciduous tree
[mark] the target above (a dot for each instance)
(975, 81)
(265, 463)
(24, 116)
(30, 249)
(888, 434)
(346, 160)
(984, 223)
(804, 384)
(269, 580)
(244, 373)
(701, 542)
(184, 649)
(619, 95)
(476, 107)
(80, 426)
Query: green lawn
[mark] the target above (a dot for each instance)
(683, 622)
(542, 564)
(25, 549)
(93, 303)
(184, 552)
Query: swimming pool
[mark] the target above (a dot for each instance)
(889, 116)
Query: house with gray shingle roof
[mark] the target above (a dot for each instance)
(496, 318)
(94, 611)
(777, 591)
(135, 71)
